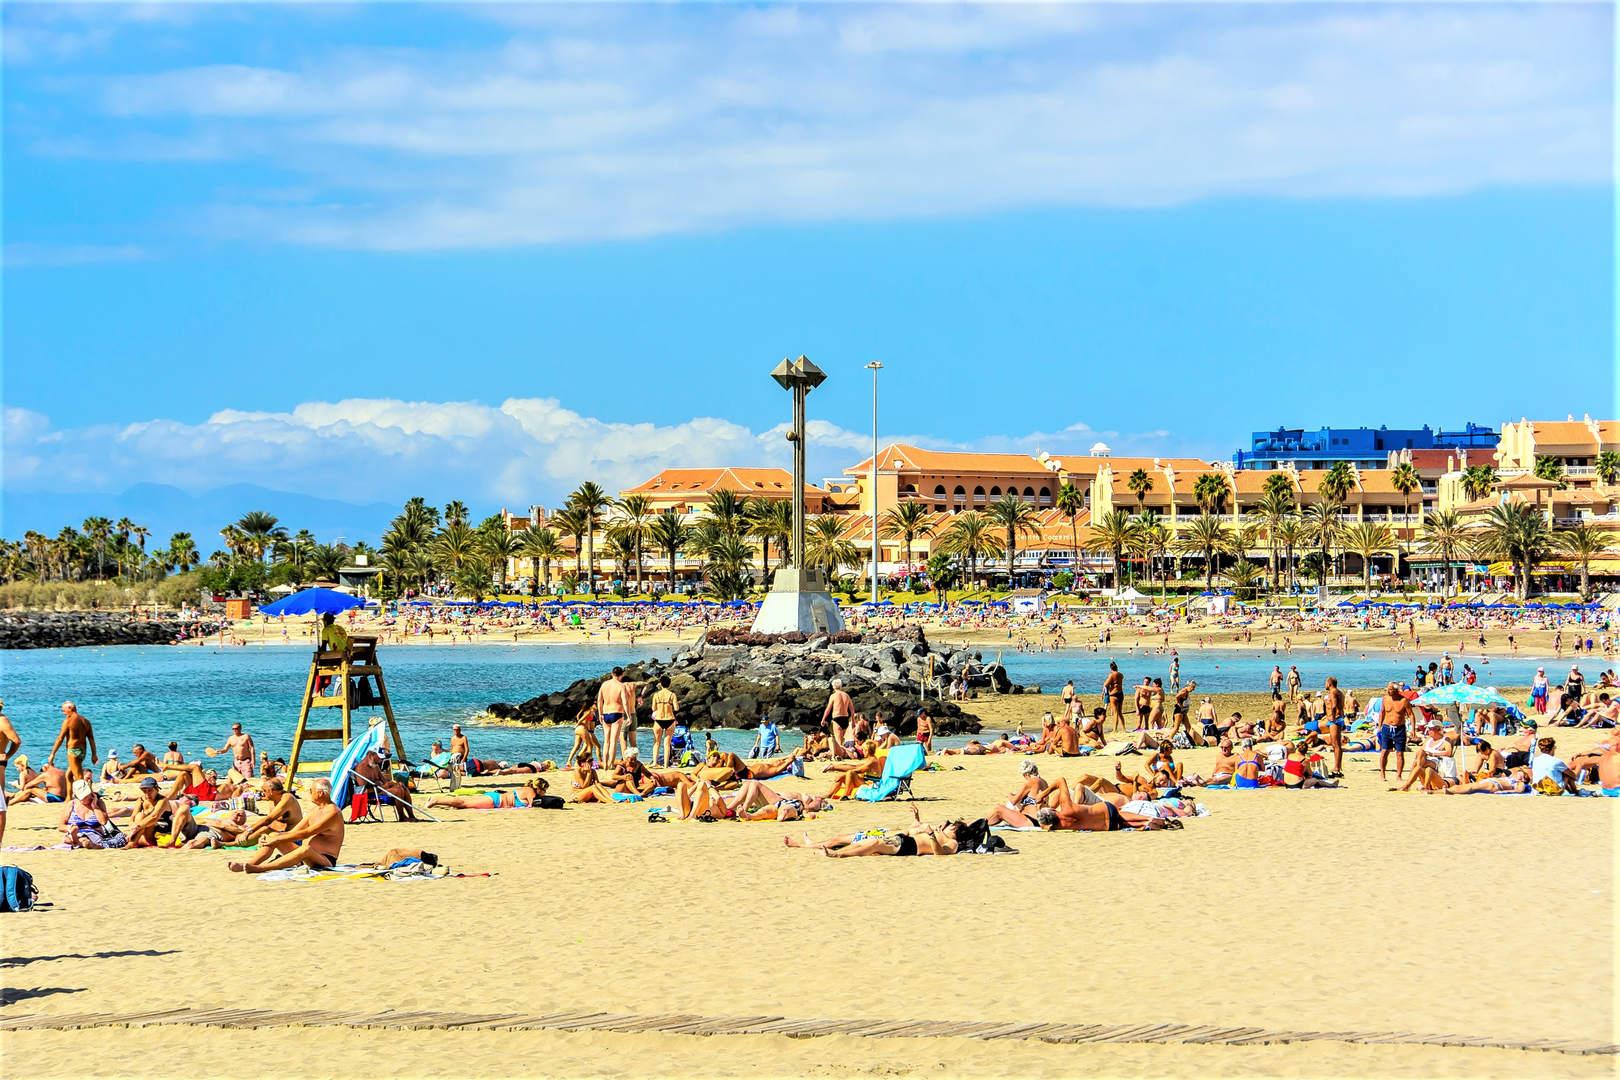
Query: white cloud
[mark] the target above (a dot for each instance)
(522, 451)
(583, 125)
(21, 256)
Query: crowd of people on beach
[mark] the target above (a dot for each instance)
(164, 800)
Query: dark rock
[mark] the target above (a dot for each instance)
(73, 629)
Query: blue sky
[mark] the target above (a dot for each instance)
(488, 252)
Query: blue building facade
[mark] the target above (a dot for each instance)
(1364, 447)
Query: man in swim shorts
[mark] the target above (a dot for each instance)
(77, 734)
(611, 707)
(315, 842)
(836, 713)
(1392, 731)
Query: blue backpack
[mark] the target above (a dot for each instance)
(17, 892)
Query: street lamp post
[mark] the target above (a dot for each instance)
(874, 367)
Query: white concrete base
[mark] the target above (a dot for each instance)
(798, 602)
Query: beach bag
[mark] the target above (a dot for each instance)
(17, 892)
(1548, 786)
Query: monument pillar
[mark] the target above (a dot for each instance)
(798, 599)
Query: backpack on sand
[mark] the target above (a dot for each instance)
(17, 892)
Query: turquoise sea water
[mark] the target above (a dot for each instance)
(153, 694)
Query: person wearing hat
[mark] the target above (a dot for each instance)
(150, 816)
(1436, 764)
(86, 824)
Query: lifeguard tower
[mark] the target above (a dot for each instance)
(349, 679)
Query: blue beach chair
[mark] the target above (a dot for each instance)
(898, 768)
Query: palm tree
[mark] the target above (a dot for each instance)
(182, 552)
(1276, 507)
(1477, 481)
(971, 536)
(1208, 536)
(633, 511)
(325, 561)
(1366, 539)
(1607, 467)
(1518, 533)
(261, 532)
(98, 531)
(1243, 576)
(572, 523)
(1016, 518)
(1445, 534)
(1550, 468)
(1153, 539)
(1115, 533)
(1210, 491)
(1320, 525)
(1337, 484)
(1140, 483)
(728, 511)
(540, 546)
(1583, 543)
(622, 547)
(1404, 478)
(669, 534)
(770, 521)
(499, 547)
(910, 522)
(590, 500)
(825, 546)
(1069, 503)
(455, 546)
(454, 511)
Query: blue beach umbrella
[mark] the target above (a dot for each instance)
(316, 601)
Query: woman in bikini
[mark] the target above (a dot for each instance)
(921, 840)
(526, 797)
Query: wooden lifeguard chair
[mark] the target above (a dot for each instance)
(347, 669)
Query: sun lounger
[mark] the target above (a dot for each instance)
(901, 764)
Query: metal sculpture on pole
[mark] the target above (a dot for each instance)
(798, 599)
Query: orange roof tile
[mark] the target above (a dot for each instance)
(916, 459)
(1562, 432)
(744, 481)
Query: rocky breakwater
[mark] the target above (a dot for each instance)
(724, 684)
(67, 629)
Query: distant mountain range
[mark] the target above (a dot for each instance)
(166, 510)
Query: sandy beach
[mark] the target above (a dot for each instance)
(1355, 910)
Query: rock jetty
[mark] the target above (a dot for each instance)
(68, 629)
(721, 684)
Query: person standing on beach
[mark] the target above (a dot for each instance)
(611, 707)
(836, 714)
(240, 747)
(77, 734)
(1332, 726)
(10, 743)
(925, 730)
(1276, 682)
(1392, 731)
(1293, 683)
(664, 703)
(1113, 689)
(460, 747)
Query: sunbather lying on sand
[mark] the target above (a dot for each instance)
(753, 801)
(532, 795)
(921, 840)
(1062, 812)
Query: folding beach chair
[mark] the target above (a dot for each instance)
(449, 764)
(901, 764)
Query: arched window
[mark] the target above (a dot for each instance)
(1046, 496)
(939, 491)
(978, 494)
(909, 489)
(995, 492)
(1029, 493)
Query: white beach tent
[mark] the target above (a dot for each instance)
(1134, 602)
(283, 590)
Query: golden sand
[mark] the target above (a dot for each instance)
(1349, 910)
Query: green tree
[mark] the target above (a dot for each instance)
(1607, 467)
(1366, 539)
(1550, 468)
(1069, 503)
(590, 501)
(1016, 519)
(770, 521)
(1404, 478)
(498, 547)
(261, 532)
(570, 520)
(1115, 533)
(455, 546)
(1583, 543)
(826, 548)
(540, 546)
(1322, 526)
(1140, 482)
(1276, 507)
(1210, 491)
(634, 511)
(1446, 535)
(971, 536)
(1478, 481)
(1517, 533)
(1208, 536)
(910, 522)
(1244, 577)
(941, 573)
(668, 534)
(455, 512)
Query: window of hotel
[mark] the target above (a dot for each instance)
(1046, 496)
(1029, 493)
(978, 494)
(995, 493)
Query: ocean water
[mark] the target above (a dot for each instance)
(153, 694)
